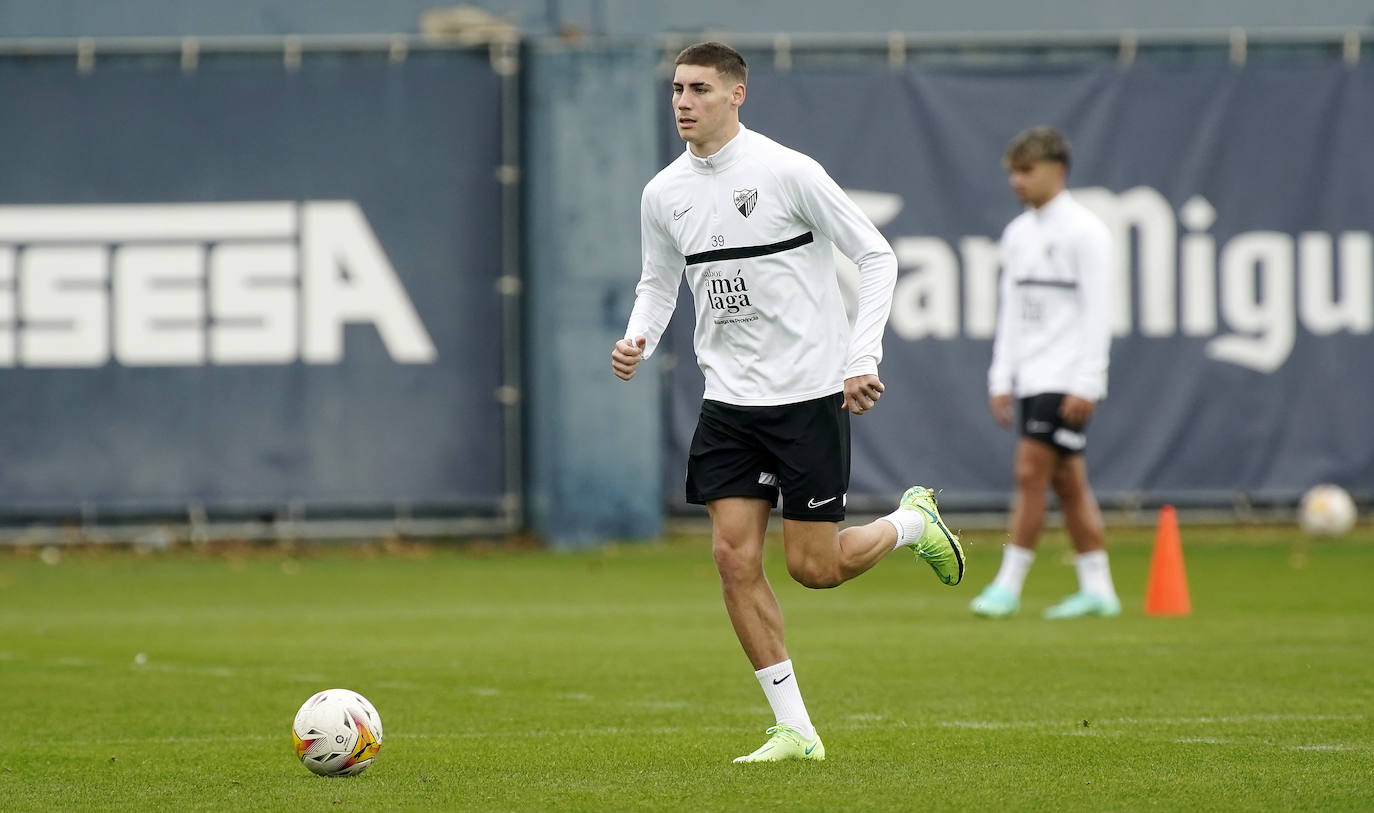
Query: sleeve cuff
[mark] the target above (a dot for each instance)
(862, 366)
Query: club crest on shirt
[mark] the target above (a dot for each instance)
(745, 200)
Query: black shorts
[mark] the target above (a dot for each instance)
(800, 450)
(1040, 420)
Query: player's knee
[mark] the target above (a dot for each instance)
(1070, 484)
(735, 561)
(1029, 475)
(814, 574)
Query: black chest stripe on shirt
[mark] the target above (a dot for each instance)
(745, 252)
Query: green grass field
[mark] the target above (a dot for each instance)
(610, 680)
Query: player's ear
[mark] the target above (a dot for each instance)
(737, 95)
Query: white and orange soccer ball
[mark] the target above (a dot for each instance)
(1326, 510)
(337, 733)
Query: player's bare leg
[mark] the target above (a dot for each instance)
(737, 528)
(1096, 594)
(738, 525)
(1033, 467)
(819, 555)
(1082, 517)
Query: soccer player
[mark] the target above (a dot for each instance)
(1051, 352)
(751, 223)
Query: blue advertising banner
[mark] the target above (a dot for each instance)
(250, 284)
(1243, 309)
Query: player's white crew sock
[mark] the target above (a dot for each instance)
(780, 687)
(1016, 562)
(910, 524)
(1094, 574)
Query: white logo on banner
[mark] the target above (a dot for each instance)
(1249, 293)
(196, 283)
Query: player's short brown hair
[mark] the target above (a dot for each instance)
(1037, 144)
(726, 60)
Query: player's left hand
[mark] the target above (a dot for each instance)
(1075, 411)
(861, 393)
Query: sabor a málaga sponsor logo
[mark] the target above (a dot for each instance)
(1247, 295)
(195, 284)
(728, 297)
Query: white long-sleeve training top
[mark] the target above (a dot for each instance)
(1053, 318)
(752, 226)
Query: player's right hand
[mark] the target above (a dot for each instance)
(1001, 408)
(626, 355)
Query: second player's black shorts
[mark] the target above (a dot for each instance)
(799, 450)
(1040, 420)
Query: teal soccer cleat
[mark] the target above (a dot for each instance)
(1080, 605)
(995, 602)
(937, 546)
(784, 744)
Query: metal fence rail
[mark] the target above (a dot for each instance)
(898, 48)
(1239, 45)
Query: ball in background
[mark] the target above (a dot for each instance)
(337, 732)
(1327, 510)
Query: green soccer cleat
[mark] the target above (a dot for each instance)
(995, 602)
(1080, 605)
(937, 546)
(786, 743)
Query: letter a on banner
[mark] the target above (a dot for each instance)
(347, 280)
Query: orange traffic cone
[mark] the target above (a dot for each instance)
(1166, 592)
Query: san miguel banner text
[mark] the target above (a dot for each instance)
(1243, 312)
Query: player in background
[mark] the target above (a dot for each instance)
(1050, 353)
(751, 224)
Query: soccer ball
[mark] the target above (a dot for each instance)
(1326, 510)
(337, 733)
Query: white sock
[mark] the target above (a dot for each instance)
(1016, 562)
(780, 687)
(1094, 574)
(910, 524)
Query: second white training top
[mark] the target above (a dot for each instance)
(752, 226)
(1053, 315)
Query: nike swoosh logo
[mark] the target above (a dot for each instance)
(811, 503)
(812, 748)
(678, 215)
(781, 679)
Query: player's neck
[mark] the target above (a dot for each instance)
(709, 147)
(1049, 199)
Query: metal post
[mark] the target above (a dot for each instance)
(1130, 45)
(1238, 47)
(896, 49)
(506, 61)
(782, 52)
(85, 55)
(1350, 47)
(190, 54)
(291, 53)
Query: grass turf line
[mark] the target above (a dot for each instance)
(609, 680)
